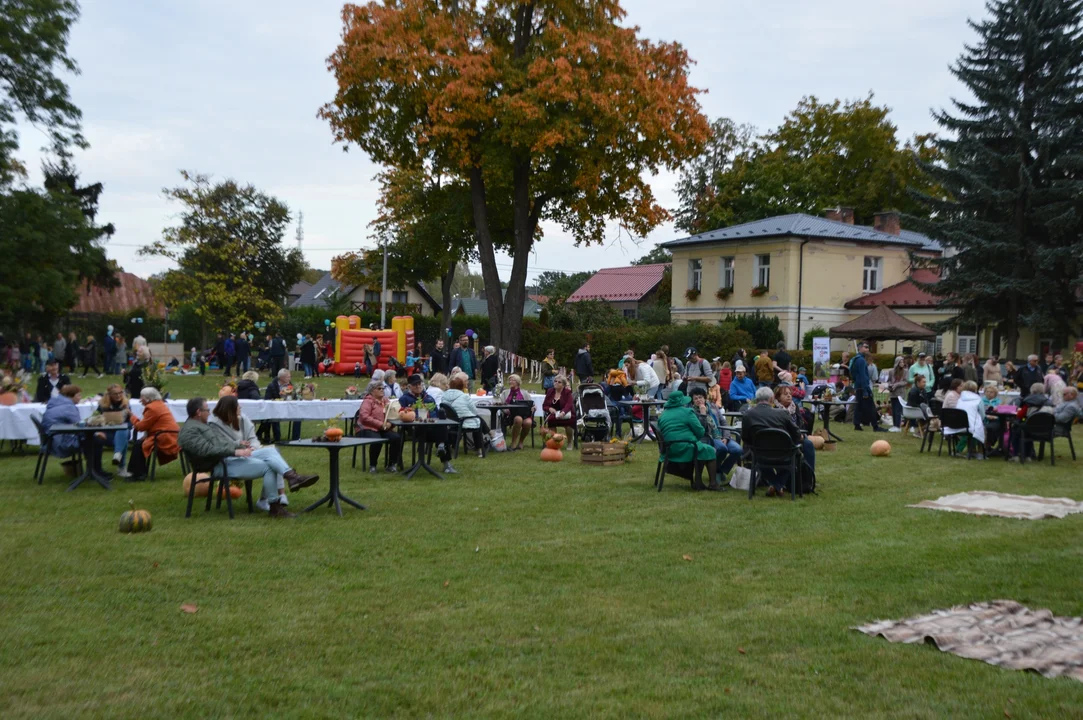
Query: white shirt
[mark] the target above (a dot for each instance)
(436, 393)
(645, 373)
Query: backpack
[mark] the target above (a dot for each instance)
(806, 479)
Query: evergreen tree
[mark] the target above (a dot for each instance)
(1012, 166)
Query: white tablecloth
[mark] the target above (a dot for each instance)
(16, 423)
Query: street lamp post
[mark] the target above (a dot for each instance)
(383, 293)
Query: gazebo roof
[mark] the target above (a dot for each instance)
(883, 323)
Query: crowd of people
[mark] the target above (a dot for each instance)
(33, 353)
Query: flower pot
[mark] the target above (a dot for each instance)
(8, 398)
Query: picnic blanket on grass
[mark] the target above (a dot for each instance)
(1024, 507)
(1002, 633)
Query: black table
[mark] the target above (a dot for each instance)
(333, 494)
(422, 441)
(825, 406)
(495, 408)
(92, 454)
(646, 405)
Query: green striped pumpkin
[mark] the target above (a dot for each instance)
(134, 521)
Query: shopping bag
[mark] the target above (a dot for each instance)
(741, 477)
(496, 441)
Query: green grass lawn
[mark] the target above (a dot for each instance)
(523, 588)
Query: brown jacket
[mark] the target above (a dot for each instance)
(156, 418)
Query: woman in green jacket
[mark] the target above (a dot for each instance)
(679, 424)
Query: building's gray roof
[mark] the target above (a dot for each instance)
(316, 296)
(802, 225)
(480, 306)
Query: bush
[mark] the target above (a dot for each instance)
(814, 332)
(764, 329)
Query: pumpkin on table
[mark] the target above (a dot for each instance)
(134, 521)
(407, 415)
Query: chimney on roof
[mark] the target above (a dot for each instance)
(887, 222)
(841, 214)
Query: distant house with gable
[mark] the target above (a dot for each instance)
(626, 289)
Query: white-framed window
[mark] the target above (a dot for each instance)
(763, 271)
(695, 274)
(726, 266)
(966, 344)
(874, 274)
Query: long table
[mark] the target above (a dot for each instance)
(16, 422)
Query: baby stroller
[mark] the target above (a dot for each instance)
(593, 413)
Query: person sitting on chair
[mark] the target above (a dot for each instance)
(416, 395)
(247, 389)
(727, 451)
(456, 398)
(228, 420)
(742, 389)
(62, 410)
(113, 407)
(371, 422)
(520, 421)
(208, 448)
(157, 421)
(763, 417)
(683, 434)
(559, 404)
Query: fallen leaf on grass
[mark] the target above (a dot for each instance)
(727, 691)
(741, 650)
(154, 565)
(1007, 714)
(189, 608)
(446, 583)
(687, 557)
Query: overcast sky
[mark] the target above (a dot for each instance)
(231, 88)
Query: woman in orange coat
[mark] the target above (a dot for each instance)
(157, 418)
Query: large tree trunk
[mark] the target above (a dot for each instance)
(487, 255)
(445, 297)
(1011, 328)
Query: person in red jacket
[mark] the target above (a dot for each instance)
(559, 405)
(371, 422)
(157, 421)
(724, 374)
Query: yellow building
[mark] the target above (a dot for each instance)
(813, 271)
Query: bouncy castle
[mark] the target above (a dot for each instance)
(351, 338)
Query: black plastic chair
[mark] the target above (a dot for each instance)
(774, 449)
(663, 457)
(45, 447)
(955, 419)
(218, 473)
(1064, 430)
(929, 436)
(1040, 428)
(527, 404)
(459, 431)
(154, 453)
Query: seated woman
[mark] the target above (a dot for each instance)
(559, 405)
(371, 422)
(392, 390)
(951, 397)
(247, 389)
(727, 451)
(228, 420)
(114, 408)
(457, 399)
(801, 417)
(679, 425)
(157, 421)
(438, 385)
(520, 421)
(62, 410)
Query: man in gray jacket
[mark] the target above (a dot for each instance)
(208, 447)
(697, 371)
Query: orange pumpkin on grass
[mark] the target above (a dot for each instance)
(551, 454)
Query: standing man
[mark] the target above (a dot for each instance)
(782, 358)
(109, 344)
(51, 383)
(244, 353)
(465, 359)
(438, 360)
(865, 412)
(60, 348)
(844, 365)
(278, 353)
(219, 350)
(697, 372)
(584, 366)
(1028, 375)
(765, 370)
(230, 348)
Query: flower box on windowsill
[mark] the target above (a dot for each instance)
(724, 293)
(760, 290)
(692, 294)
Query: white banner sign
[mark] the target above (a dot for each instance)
(821, 350)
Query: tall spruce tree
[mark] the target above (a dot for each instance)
(1013, 166)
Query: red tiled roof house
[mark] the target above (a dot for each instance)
(627, 289)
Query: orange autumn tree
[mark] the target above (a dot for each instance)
(550, 108)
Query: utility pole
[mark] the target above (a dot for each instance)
(300, 229)
(383, 293)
